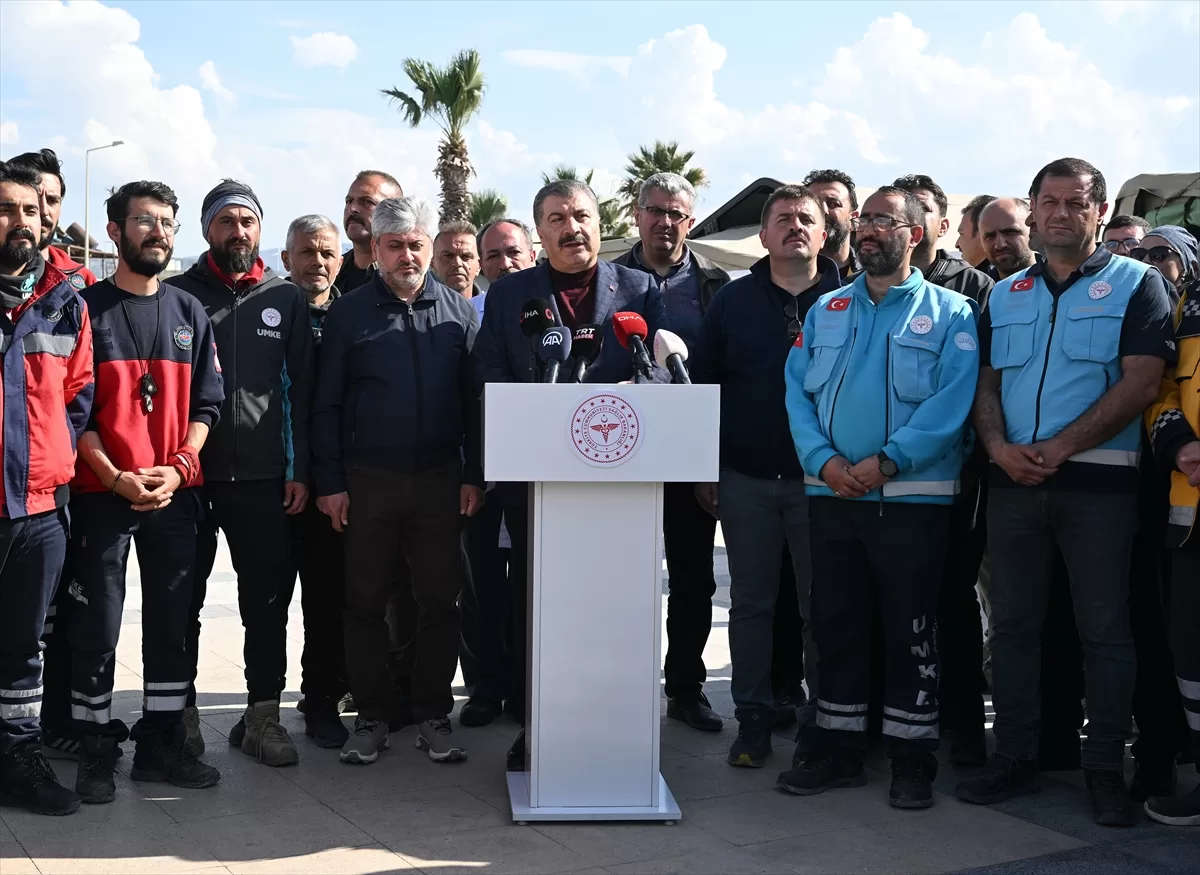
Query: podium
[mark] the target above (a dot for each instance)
(596, 456)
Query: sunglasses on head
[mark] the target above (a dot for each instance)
(1156, 255)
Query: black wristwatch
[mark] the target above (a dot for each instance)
(887, 467)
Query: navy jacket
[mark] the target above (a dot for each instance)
(395, 389)
(502, 353)
(744, 346)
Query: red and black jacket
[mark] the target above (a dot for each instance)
(185, 369)
(46, 345)
(77, 275)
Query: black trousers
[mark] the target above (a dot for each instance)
(104, 527)
(1061, 705)
(320, 557)
(891, 555)
(1185, 643)
(516, 520)
(403, 518)
(251, 514)
(787, 643)
(486, 603)
(56, 656)
(31, 559)
(689, 533)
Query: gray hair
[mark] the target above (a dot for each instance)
(313, 223)
(528, 234)
(562, 188)
(403, 215)
(458, 226)
(671, 183)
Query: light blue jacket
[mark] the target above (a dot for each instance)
(898, 377)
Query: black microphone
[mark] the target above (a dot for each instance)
(586, 343)
(536, 317)
(553, 349)
(670, 352)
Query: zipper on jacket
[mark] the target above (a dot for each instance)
(887, 406)
(1037, 407)
(842, 379)
(410, 315)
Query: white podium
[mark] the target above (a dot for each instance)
(597, 456)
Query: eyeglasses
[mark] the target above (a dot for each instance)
(1128, 244)
(674, 215)
(148, 223)
(792, 310)
(883, 224)
(1157, 255)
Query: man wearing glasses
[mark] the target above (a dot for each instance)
(742, 345)
(158, 392)
(687, 282)
(1124, 234)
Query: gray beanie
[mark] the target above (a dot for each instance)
(229, 192)
(1184, 244)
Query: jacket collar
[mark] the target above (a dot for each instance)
(432, 291)
(606, 286)
(829, 275)
(914, 281)
(251, 278)
(1095, 263)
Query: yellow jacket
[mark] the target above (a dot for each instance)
(1174, 418)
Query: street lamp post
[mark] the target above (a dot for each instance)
(87, 200)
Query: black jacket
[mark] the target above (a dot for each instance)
(712, 275)
(395, 390)
(264, 342)
(744, 345)
(958, 276)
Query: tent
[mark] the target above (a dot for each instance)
(1162, 199)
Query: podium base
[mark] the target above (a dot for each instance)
(518, 797)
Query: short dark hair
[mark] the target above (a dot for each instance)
(44, 161)
(914, 210)
(566, 188)
(833, 176)
(118, 200)
(20, 174)
(1123, 221)
(1071, 167)
(974, 207)
(789, 193)
(915, 182)
(386, 177)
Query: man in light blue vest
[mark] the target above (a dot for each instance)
(1073, 350)
(879, 386)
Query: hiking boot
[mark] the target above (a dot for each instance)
(1178, 811)
(265, 739)
(437, 737)
(369, 738)
(752, 746)
(164, 755)
(1111, 803)
(27, 780)
(1002, 778)
(94, 781)
(191, 725)
(695, 711)
(821, 772)
(325, 727)
(1154, 779)
(238, 733)
(912, 781)
(479, 711)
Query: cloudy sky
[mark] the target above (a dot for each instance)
(285, 95)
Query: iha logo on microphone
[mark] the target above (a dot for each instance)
(606, 430)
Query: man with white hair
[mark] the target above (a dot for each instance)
(395, 410)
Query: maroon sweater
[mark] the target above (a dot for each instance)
(576, 293)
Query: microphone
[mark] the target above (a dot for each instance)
(631, 331)
(586, 344)
(553, 349)
(671, 352)
(536, 317)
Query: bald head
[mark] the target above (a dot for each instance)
(1004, 234)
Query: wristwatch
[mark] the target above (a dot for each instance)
(887, 467)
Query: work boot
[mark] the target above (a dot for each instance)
(27, 780)
(753, 743)
(912, 781)
(479, 711)
(163, 754)
(1178, 811)
(1152, 779)
(265, 739)
(323, 724)
(1110, 799)
(94, 781)
(191, 725)
(1002, 778)
(437, 737)
(695, 711)
(238, 733)
(369, 738)
(823, 771)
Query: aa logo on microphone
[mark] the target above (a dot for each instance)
(552, 339)
(606, 430)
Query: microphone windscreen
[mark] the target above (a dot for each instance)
(668, 343)
(586, 342)
(555, 345)
(627, 325)
(536, 317)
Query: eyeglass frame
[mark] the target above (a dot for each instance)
(660, 213)
(1128, 244)
(172, 228)
(857, 222)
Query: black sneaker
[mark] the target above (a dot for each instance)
(479, 711)
(1178, 811)
(95, 779)
(821, 772)
(1111, 803)
(752, 746)
(324, 726)
(1152, 779)
(163, 756)
(27, 780)
(912, 782)
(1002, 778)
(238, 733)
(695, 711)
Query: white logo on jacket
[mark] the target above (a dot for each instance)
(921, 325)
(1098, 290)
(271, 317)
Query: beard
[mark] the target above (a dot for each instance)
(925, 250)
(232, 260)
(142, 258)
(886, 259)
(403, 283)
(14, 254)
(836, 234)
(47, 236)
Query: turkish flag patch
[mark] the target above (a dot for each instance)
(839, 304)
(1022, 285)
(799, 342)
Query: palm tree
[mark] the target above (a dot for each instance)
(486, 206)
(452, 95)
(661, 158)
(612, 223)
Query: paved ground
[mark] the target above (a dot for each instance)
(405, 814)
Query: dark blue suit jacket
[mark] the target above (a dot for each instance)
(501, 351)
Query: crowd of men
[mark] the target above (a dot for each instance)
(901, 430)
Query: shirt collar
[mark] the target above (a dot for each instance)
(675, 268)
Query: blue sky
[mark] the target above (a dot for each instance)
(285, 94)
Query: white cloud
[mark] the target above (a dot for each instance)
(212, 82)
(324, 49)
(9, 135)
(572, 63)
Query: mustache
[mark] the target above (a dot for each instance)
(572, 238)
(793, 235)
(355, 217)
(21, 234)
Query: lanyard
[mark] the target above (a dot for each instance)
(146, 385)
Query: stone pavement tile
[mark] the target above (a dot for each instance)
(666, 752)
(1065, 810)
(397, 818)
(705, 777)
(151, 849)
(1088, 860)
(368, 860)
(1163, 850)
(402, 769)
(731, 861)
(762, 816)
(609, 844)
(128, 812)
(861, 806)
(858, 849)
(696, 743)
(14, 860)
(272, 834)
(504, 850)
(5, 833)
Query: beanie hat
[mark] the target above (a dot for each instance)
(1184, 244)
(229, 192)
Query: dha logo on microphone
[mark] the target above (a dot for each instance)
(606, 430)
